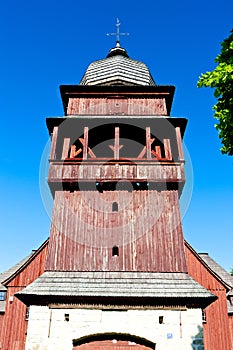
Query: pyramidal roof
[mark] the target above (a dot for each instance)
(117, 69)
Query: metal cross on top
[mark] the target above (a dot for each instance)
(118, 33)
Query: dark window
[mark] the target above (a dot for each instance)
(160, 319)
(203, 316)
(67, 317)
(115, 251)
(114, 206)
(27, 313)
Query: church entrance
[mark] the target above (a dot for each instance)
(112, 342)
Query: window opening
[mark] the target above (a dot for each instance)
(114, 206)
(67, 317)
(160, 319)
(27, 313)
(2, 296)
(204, 316)
(115, 251)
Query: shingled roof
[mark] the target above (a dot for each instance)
(219, 270)
(222, 273)
(117, 69)
(5, 275)
(155, 288)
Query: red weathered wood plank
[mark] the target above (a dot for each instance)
(54, 143)
(85, 143)
(100, 229)
(213, 340)
(167, 149)
(179, 144)
(65, 149)
(148, 143)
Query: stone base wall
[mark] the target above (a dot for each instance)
(55, 329)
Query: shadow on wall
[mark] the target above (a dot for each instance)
(197, 343)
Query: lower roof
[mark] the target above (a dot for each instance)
(126, 287)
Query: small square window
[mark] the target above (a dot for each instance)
(161, 320)
(115, 251)
(114, 206)
(2, 296)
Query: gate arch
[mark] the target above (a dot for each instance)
(112, 341)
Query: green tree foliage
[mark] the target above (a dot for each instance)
(221, 79)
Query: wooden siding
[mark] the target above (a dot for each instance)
(230, 319)
(117, 106)
(97, 171)
(1, 326)
(216, 328)
(13, 332)
(146, 229)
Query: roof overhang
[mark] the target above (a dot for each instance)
(120, 91)
(149, 289)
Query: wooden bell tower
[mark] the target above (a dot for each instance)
(115, 271)
(116, 173)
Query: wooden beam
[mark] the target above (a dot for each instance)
(89, 150)
(65, 150)
(54, 143)
(179, 143)
(85, 144)
(149, 142)
(158, 151)
(117, 147)
(73, 152)
(116, 144)
(142, 153)
(167, 149)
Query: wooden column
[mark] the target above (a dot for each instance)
(85, 145)
(148, 143)
(54, 143)
(116, 148)
(179, 143)
(65, 150)
(167, 149)
(158, 152)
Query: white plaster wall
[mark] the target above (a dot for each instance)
(48, 330)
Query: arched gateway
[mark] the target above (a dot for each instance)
(112, 342)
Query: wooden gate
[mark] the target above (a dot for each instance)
(111, 345)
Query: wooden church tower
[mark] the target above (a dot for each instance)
(116, 274)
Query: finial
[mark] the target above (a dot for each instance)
(118, 33)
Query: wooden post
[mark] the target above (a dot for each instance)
(167, 149)
(54, 143)
(85, 146)
(65, 150)
(179, 143)
(116, 148)
(142, 153)
(148, 143)
(73, 152)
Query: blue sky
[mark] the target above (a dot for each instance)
(47, 43)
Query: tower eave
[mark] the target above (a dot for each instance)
(95, 91)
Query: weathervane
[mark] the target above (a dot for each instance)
(118, 33)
